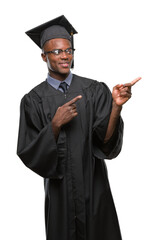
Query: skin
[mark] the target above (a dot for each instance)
(121, 94)
(59, 68)
(64, 114)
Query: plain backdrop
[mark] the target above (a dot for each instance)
(117, 41)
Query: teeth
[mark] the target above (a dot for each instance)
(64, 64)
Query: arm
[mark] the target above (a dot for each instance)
(121, 94)
(114, 116)
(108, 124)
(37, 147)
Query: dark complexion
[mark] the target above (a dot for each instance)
(64, 114)
(58, 65)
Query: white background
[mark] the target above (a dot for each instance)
(117, 42)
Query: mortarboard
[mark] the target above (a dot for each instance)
(59, 27)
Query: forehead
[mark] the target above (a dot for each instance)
(57, 43)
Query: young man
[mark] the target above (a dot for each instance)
(68, 126)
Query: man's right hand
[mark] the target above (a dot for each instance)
(64, 114)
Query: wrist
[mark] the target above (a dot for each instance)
(56, 128)
(56, 124)
(116, 108)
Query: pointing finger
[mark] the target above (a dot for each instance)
(73, 100)
(135, 81)
(132, 83)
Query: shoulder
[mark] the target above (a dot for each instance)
(92, 84)
(36, 93)
(84, 81)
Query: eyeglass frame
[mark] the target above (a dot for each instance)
(61, 51)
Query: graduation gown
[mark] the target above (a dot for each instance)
(78, 200)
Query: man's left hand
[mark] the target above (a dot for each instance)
(122, 92)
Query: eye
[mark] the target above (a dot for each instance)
(69, 50)
(57, 51)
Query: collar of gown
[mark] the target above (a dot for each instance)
(55, 83)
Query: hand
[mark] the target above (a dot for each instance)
(65, 113)
(122, 92)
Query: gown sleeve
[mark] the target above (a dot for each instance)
(37, 147)
(102, 111)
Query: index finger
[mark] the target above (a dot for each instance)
(135, 80)
(132, 83)
(73, 100)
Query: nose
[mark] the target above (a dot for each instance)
(64, 55)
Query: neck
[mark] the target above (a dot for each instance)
(58, 76)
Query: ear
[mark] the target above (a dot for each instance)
(44, 57)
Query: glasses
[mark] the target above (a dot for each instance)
(68, 51)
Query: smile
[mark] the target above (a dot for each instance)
(65, 65)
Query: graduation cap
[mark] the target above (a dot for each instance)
(59, 27)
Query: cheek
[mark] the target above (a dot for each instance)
(70, 59)
(51, 62)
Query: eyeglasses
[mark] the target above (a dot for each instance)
(68, 51)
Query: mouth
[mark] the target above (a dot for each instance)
(64, 64)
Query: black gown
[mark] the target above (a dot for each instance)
(78, 200)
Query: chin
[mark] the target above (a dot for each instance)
(65, 71)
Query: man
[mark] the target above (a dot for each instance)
(68, 126)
